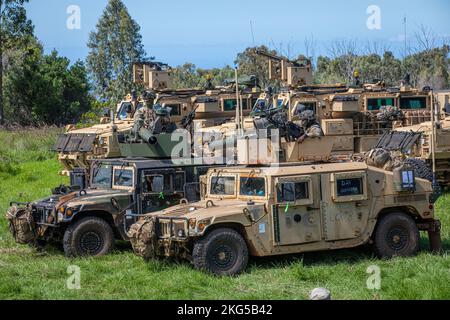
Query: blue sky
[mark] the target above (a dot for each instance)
(209, 33)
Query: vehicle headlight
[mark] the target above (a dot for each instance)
(202, 224)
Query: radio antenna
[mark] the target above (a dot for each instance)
(251, 30)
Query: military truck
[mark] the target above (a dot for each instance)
(209, 106)
(354, 115)
(291, 208)
(88, 221)
(414, 143)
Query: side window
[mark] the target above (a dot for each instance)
(175, 109)
(413, 103)
(293, 192)
(179, 182)
(375, 104)
(349, 186)
(156, 183)
(229, 104)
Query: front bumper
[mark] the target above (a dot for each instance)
(156, 236)
(29, 222)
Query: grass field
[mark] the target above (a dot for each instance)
(27, 172)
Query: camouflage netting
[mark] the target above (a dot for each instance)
(389, 113)
(143, 237)
(389, 160)
(21, 225)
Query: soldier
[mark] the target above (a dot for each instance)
(147, 111)
(309, 125)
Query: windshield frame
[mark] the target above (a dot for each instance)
(94, 174)
(120, 168)
(222, 175)
(251, 175)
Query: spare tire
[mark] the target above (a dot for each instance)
(421, 168)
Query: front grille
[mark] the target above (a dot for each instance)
(41, 214)
(165, 229)
(169, 228)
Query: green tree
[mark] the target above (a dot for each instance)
(46, 89)
(14, 27)
(114, 47)
(185, 76)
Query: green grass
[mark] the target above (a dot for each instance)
(27, 274)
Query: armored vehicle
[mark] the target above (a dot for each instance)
(355, 115)
(88, 221)
(415, 144)
(209, 107)
(291, 208)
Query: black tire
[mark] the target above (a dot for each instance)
(222, 252)
(420, 167)
(396, 235)
(90, 236)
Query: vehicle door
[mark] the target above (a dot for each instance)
(296, 212)
(156, 190)
(345, 205)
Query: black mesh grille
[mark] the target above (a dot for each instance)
(75, 142)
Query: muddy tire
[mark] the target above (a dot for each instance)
(90, 236)
(222, 252)
(420, 167)
(396, 235)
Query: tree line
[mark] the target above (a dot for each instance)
(39, 88)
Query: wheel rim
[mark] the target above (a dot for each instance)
(397, 238)
(223, 256)
(91, 243)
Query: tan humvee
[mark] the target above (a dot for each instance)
(291, 208)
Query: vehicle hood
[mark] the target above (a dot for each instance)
(92, 196)
(99, 129)
(200, 210)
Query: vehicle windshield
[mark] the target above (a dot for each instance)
(222, 185)
(250, 186)
(123, 110)
(123, 178)
(102, 176)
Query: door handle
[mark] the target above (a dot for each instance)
(311, 208)
(360, 204)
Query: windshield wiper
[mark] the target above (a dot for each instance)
(121, 171)
(217, 180)
(249, 176)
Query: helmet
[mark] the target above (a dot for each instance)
(307, 115)
(149, 95)
(161, 111)
(300, 108)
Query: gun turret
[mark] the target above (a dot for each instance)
(292, 73)
(153, 75)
